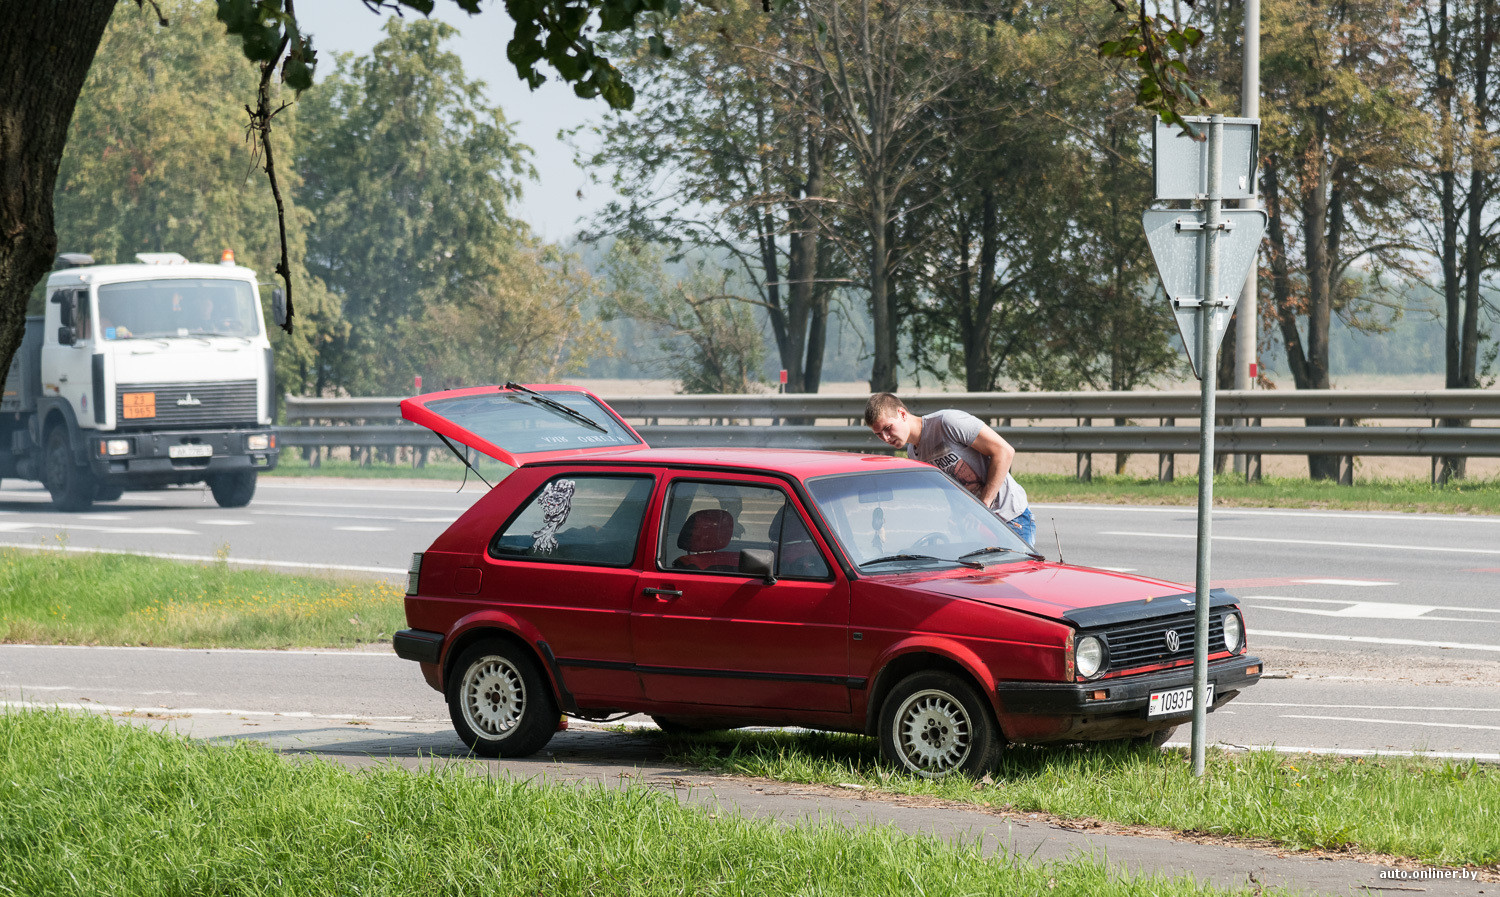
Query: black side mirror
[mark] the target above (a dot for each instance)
(759, 562)
(66, 335)
(278, 307)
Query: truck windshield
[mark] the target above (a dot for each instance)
(152, 309)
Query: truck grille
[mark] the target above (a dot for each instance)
(226, 402)
(1145, 642)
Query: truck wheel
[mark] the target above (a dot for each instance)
(108, 493)
(70, 485)
(501, 704)
(234, 489)
(934, 723)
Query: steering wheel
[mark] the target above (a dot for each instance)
(929, 541)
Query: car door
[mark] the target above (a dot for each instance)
(704, 633)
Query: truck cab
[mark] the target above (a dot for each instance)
(141, 376)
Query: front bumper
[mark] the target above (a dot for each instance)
(151, 461)
(1069, 711)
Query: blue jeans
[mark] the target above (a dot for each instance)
(1025, 527)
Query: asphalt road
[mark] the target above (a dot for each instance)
(1397, 588)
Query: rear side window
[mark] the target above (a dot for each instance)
(706, 525)
(578, 520)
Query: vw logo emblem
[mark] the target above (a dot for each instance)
(1173, 642)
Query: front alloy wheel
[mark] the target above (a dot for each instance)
(500, 703)
(933, 724)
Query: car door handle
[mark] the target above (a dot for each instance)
(663, 593)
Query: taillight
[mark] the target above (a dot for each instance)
(414, 573)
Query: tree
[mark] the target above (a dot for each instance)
(729, 117)
(156, 161)
(47, 48)
(1458, 38)
(1341, 115)
(411, 174)
(707, 339)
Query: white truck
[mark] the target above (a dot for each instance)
(142, 376)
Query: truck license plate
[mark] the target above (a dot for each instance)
(138, 404)
(194, 450)
(1178, 700)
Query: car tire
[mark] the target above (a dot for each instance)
(934, 723)
(501, 704)
(71, 486)
(233, 489)
(108, 493)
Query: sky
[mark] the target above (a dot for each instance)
(554, 203)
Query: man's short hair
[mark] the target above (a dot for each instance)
(881, 406)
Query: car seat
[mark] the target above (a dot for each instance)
(704, 537)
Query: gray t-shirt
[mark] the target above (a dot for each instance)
(947, 443)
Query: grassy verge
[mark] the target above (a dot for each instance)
(1433, 812)
(96, 808)
(47, 597)
(1466, 497)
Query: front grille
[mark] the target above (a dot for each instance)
(1144, 642)
(221, 403)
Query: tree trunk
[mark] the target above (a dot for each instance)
(45, 53)
(883, 370)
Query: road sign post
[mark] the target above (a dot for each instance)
(1189, 247)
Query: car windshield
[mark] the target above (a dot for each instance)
(919, 515)
(191, 307)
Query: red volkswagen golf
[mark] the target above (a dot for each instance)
(713, 588)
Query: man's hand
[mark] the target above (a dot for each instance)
(999, 454)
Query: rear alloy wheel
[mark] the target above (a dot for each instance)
(233, 489)
(70, 485)
(501, 704)
(934, 723)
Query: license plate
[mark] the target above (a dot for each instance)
(1177, 700)
(138, 404)
(191, 451)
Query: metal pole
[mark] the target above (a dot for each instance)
(1246, 331)
(1208, 365)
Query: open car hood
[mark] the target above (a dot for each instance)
(519, 425)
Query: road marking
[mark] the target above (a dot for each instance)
(190, 711)
(1346, 752)
(225, 522)
(1469, 610)
(327, 516)
(209, 559)
(84, 527)
(1258, 539)
(1305, 706)
(281, 652)
(314, 504)
(1342, 582)
(363, 529)
(1371, 640)
(1393, 722)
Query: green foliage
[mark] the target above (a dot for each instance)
(1148, 42)
(707, 337)
(157, 161)
(412, 174)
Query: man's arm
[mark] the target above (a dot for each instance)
(998, 453)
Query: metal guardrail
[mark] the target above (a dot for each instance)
(785, 421)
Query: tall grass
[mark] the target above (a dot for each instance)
(1435, 812)
(49, 597)
(96, 808)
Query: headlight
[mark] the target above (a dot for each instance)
(1234, 632)
(414, 573)
(1089, 655)
(114, 447)
(258, 442)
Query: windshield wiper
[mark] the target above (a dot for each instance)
(994, 548)
(556, 406)
(973, 565)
